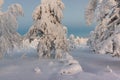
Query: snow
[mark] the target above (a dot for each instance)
(24, 63)
(108, 69)
(37, 70)
(93, 67)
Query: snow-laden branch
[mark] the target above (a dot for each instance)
(16, 10)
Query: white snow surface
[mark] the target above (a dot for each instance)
(93, 67)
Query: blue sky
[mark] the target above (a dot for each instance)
(73, 15)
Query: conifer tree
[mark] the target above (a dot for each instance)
(9, 38)
(48, 29)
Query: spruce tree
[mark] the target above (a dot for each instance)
(48, 29)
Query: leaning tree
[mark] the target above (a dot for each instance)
(105, 37)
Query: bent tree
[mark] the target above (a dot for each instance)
(105, 38)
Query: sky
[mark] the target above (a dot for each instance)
(73, 16)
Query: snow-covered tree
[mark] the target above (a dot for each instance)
(72, 41)
(49, 31)
(98, 9)
(9, 38)
(105, 37)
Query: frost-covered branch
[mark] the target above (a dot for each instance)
(90, 11)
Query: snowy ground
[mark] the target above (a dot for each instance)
(95, 67)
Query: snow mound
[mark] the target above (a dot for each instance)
(72, 67)
(37, 70)
(108, 69)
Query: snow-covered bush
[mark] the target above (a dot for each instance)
(105, 37)
(76, 41)
(9, 38)
(48, 30)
